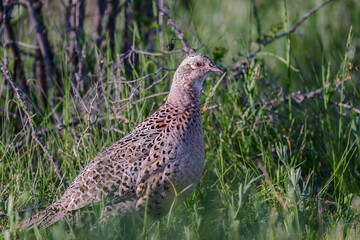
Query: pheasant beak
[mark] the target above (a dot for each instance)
(214, 68)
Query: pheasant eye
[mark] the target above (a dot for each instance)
(196, 65)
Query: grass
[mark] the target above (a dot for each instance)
(289, 171)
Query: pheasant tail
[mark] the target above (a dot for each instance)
(45, 218)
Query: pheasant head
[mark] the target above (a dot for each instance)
(189, 77)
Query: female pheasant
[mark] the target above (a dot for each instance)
(162, 156)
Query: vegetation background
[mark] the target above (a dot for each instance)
(282, 127)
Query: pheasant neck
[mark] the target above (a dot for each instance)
(183, 96)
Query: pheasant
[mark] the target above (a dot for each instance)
(162, 156)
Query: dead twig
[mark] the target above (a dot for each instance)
(151, 96)
(276, 194)
(140, 80)
(346, 105)
(18, 70)
(161, 33)
(88, 120)
(266, 42)
(156, 81)
(157, 54)
(299, 98)
(205, 108)
(187, 47)
(22, 44)
(113, 6)
(43, 44)
(75, 14)
(30, 116)
(16, 138)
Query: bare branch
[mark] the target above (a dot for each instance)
(16, 138)
(127, 40)
(161, 33)
(89, 112)
(276, 194)
(187, 47)
(151, 96)
(140, 80)
(30, 116)
(266, 42)
(205, 108)
(307, 15)
(113, 6)
(42, 42)
(154, 53)
(75, 12)
(18, 71)
(346, 105)
(97, 18)
(299, 98)
(9, 42)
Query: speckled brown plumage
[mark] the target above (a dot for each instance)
(162, 155)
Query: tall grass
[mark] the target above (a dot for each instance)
(289, 171)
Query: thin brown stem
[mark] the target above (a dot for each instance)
(18, 71)
(276, 194)
(161, 33)
(30, 117)
(266, 42)
(43, 44)
(187, 47)
(300, 97)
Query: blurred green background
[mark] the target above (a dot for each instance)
(275, 169)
